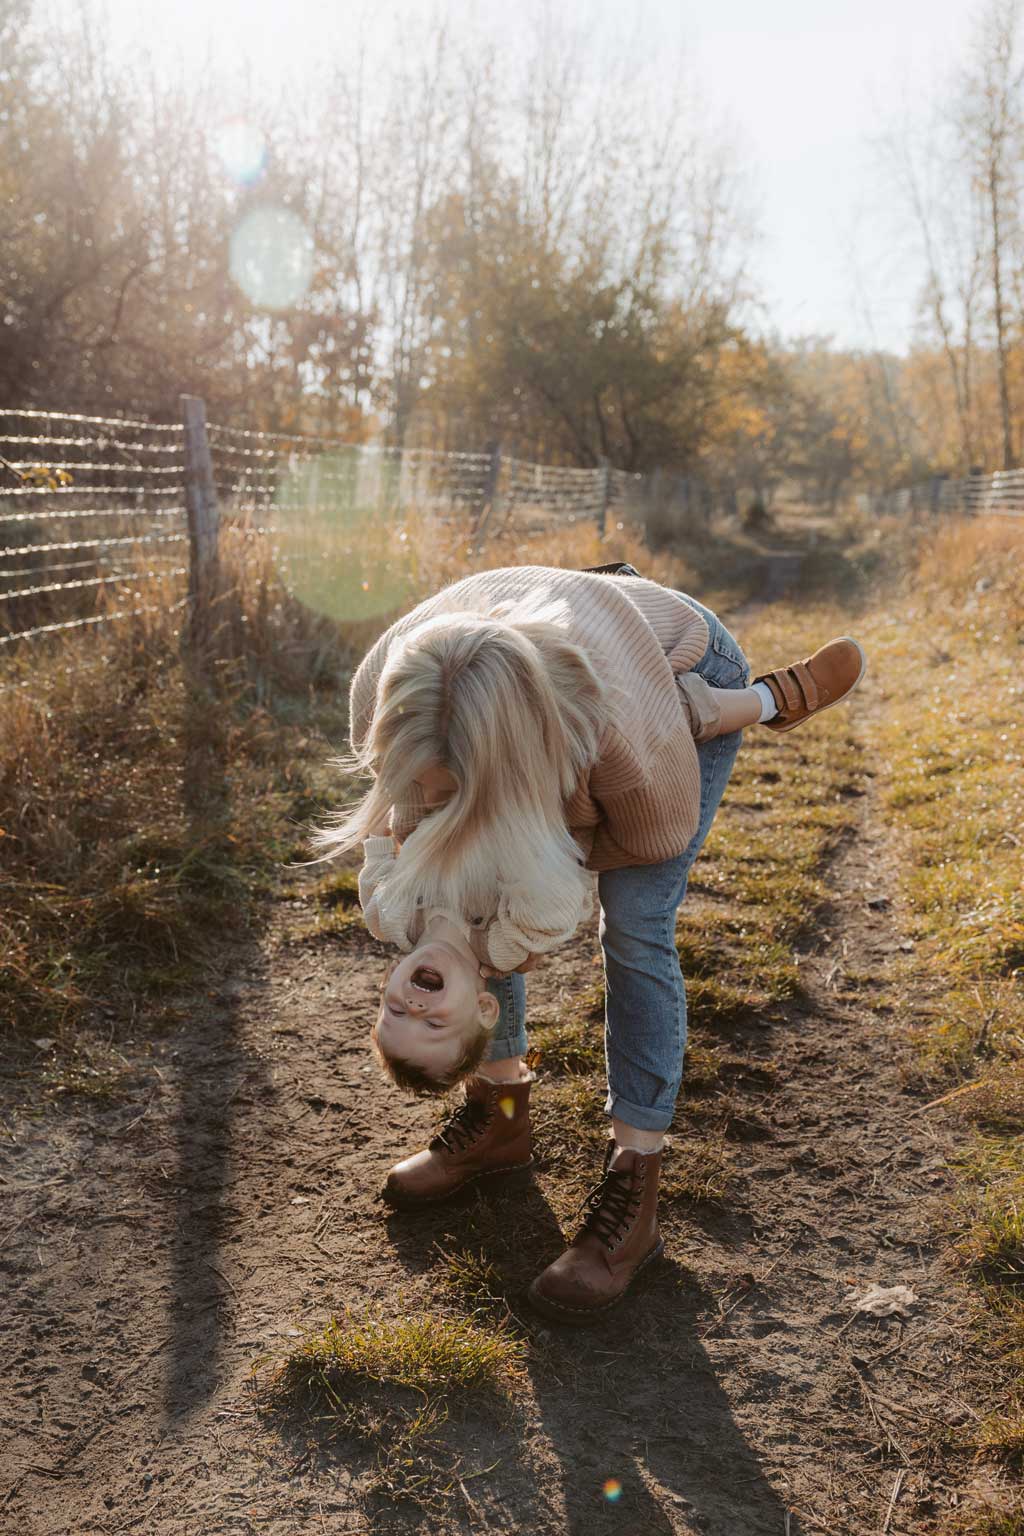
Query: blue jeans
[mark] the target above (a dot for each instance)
(645, 997)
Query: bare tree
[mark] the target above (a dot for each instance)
(989, 114)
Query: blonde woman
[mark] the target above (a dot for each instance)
(523, 727)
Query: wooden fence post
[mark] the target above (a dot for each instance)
(605, 491)
(204, 775)
(203, 528)
(489, 504)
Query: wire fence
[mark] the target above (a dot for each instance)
(78, 551)
(105, 517)
(999, 495)
(102, 518)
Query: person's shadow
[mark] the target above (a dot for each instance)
(644, 1433)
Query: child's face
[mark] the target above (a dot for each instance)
(433, 1003)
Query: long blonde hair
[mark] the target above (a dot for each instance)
(514, 711)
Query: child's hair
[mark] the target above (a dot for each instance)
(514, 711)
(409, 1075)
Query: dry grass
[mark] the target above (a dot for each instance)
(114, 888)
(952, 745)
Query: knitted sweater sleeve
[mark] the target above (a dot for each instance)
(388, 926)
(519, 930)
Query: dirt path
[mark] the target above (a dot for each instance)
(152, 1249)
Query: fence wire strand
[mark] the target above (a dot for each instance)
(136, 469)
(317, 499)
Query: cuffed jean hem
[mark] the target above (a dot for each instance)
(641, 1119)
(508, 1045)
(509, 1037)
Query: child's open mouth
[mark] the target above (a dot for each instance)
(426, 979)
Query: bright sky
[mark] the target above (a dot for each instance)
(805, 84)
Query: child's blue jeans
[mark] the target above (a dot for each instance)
(645, 1008)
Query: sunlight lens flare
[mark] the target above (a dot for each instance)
(271, 257)
(241, 149)
(612, 1490)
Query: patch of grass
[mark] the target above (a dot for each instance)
(703, 1066)
(1002, 1435)
(996, 1103)
(435, 1355)
(573, 1041)
(340, 888)
(697, 1172)
(394, 1384)
(986, 1522)
(993, 1245)
(951, 744)
(472, 1279)
(758, 879)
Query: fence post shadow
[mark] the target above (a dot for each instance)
(210, 1067)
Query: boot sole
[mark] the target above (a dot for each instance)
(491, 1181)
(780, 730)
(580, 1317)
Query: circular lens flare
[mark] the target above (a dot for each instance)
(612, 1490)
(241, 149)
(271, 257)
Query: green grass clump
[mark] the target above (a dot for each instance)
(993, 1245)
(434, 1355)
(471, 1278)
(986, 1522)
(394, 1384)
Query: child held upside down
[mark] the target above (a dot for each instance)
(524, 729)
(436, 1017)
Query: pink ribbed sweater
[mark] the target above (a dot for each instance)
(640, 802)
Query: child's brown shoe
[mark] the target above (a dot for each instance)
(808, 687)
(484, 1143)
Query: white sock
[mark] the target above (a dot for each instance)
(769, 708)
(624, 1146)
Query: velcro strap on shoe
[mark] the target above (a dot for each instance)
(808, 686)
(792, 698)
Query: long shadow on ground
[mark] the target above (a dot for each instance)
(216, 1075)
(632, 1407)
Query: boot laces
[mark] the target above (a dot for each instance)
(610, 1205)
(463, 1127)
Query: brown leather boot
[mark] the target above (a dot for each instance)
(618, 1237)
(485, 1142)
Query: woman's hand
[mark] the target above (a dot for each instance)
(529, 964)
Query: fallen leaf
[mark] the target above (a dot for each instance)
(884, 1300)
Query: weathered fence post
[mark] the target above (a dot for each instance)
(605, 493)
(203, 528)
(489, 502)
(204, 783)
